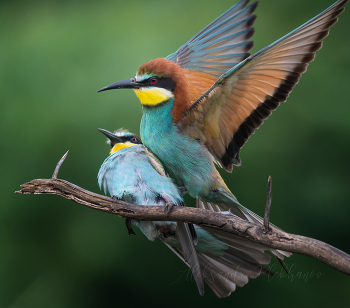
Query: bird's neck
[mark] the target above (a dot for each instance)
(120, 146)
(182, 100)
(157, 119)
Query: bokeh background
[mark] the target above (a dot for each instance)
(55, 55)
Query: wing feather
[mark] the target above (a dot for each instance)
(217, 48)
(225, 41)
(243, 97)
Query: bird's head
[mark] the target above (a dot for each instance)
(120, 139)
(157, 82)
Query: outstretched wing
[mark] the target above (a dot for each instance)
(217, 48)
(227, 114)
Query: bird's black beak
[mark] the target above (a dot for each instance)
(123, 84)
(113, 138)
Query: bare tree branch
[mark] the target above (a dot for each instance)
(323, 252)
(59, 164)
(268, 206)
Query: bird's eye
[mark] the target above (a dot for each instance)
(154, 80)
(134, 139)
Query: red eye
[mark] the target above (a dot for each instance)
(154, 79)
(133, 139)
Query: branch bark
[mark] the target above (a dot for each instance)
(321, 251)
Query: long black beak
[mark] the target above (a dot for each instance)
(123, 84)
(114, 139)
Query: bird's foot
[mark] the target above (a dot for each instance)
(228, 213)
(115, 198)
(168, 207)
(128, 226)
(182, 188)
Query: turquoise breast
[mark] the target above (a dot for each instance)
(186, 160)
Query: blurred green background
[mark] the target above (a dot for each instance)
(55, 55)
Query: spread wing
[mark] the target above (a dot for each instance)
(227, 114)
(217, 48)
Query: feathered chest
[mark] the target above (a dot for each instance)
(183, 157)
(134, 175)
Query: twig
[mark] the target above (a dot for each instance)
(277, 239)
(268, 206)
(59, 164)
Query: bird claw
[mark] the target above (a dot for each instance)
(168, 207)
(115, 198)
(182, 188)
(128, 226)
(228, 213)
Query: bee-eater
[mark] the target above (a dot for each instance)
(194, 117)
(132, 173)
(135, 175)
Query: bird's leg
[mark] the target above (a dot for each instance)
(115, 198)
(127, 219)
(168, 207)
(182, 190)
(128, 226)
(168, 204)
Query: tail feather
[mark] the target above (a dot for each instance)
(221, 285)
(252, 256)
(185, 237)
(221, 271)
(235, 240)
(226, 260)
(213, 275)
(257, 219)
(193, 233)
(207, 205)
(250, 270)
(222, 288)
(248, 215)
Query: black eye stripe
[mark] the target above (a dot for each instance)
(125, 138)
(130, 139)
(162, 82)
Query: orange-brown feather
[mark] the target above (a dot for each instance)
(225, 117)
(198, 83)
(190, 85)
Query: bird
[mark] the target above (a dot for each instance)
(203, 102)
(133, 174)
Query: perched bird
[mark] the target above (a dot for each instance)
(202, 103)
(135, 175)
(132, 173)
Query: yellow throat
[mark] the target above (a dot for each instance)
(119, 146)
(152, 96)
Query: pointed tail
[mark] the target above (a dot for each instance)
(187, 236)
(245, 214)
(227, 260)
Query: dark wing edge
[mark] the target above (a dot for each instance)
(271, 102)
(248, 93)
(220, 45)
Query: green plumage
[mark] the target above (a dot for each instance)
(223, 260)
